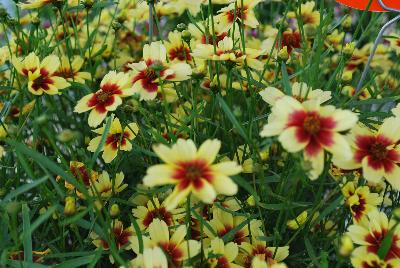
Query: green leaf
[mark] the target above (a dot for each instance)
(77, 216)
(245, 185)
(231, 234)
(285, 80)
(311, 251)
(42, 218)
(46, 162)
(20, 264)
(386, 243)
(78, 262)
(27, 239)
(22, 189)
(332, 206)
(232, 118)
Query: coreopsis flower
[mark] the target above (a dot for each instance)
(360, 200)
(154, 210)
(300, 91)
(113, 88)
(148, 74)
(192, 171)
(376, 152)
(291, 40)
(37, 256)
(82, 174)
(241, 11)
(223, 222)
(372, 231)
(117, 139)
(226, 52)
(220, 255)
(259, 249)
(151, 258)
(259, 263)
(41, 75)
(307, 14)
(120, 235)
(312, 128)
(177, 49)
(175, 247)
(32, 4)
(106, 187)
(71, 70)
(361, 258)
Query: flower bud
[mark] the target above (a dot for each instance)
(299, 221)
(88, 3)
(347, 22)
(186, 36)
(66, 135)
(283, 54)
(70, 206)
(251, 201)
(346, 246)
(349, 48)
(347, 76)
(114, 211)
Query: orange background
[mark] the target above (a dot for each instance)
(375, 6)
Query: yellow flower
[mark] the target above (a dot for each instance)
(106, 187)
(147, 74)
(223, 222)
(177, 49)
(307, 14)
(117, 139)
(376, 152)
(220, 255)
(175, 247)
(70, 70)
(41, 76)
(312, 128)
(154, 210)
(226, 52)
(360, 200)
(242, 11)
(113, 88)
(346, 245)
(192, 171)
(361, 258)
(259, 249)
(370, 233)
(151, 258)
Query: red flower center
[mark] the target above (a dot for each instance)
(158, 213)
(181, 53)
(43, 81)
(81, 174)
(378, 151)
(173, 252)
(312, 124)
(241, 14)
(117, 139)
(192, 173)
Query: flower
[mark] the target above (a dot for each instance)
(70, 70)
(370, 233)
(154, 210)
(175, 247)
(147, 74)
(223, 222)
(375, 152)
(151, 258)
(116, 139)
(226, 52)
(191, 170)
(177, 49)
(360, 200)
(41, 75)
(220, 255)
(113, 87)
(361, 258)
(105, 187)
(310, 127)
(300, 91)
(307, 14)
(298, 221)
(259, 249)
(242, 11)
(291, 40)
(120, 235)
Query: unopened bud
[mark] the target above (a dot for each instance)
(349, 49)
(347, 76)
(88, 3)
(181, 27)
(70, 206)
(283, 54)
(186, 36)
(66, 135)
(347, 22)
(251, 201)
(114, 211)
(346, 246)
